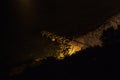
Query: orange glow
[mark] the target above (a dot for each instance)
(73, 48)
(25, 10)
(25, 4)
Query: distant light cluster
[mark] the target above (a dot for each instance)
(68, 47)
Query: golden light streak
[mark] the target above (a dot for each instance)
(74, 48)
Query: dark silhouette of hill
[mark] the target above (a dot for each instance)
(92, 63)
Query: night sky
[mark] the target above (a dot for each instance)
(23, 20)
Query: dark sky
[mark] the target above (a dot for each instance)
(26, 18)
(58, 15)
